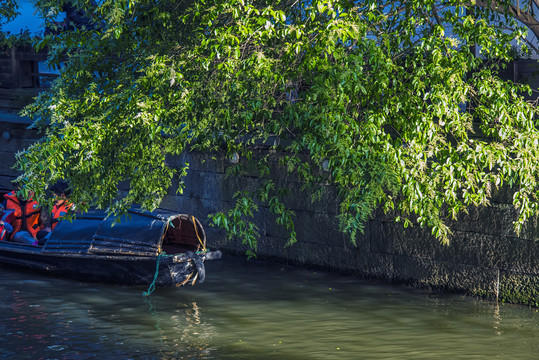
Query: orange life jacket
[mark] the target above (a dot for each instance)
(7, 217)
(27, 214)
(59, 210)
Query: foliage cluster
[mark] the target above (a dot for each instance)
(22, 39)
(387, 96)
(8, 11)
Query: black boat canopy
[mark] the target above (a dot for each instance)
(140, 233)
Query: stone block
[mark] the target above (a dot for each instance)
(228, 186)
(274, 247)
(502, 195)
(463, 248)
(198, 161)
(317, 228)
(378, 266)
(530, 230)
(512, 254)
(299, 198)
(6, 182)
(519, 288)
(414, 240)
(378, 241)
(217, 240)
(348, 260)
(445, 275)
(495, 220)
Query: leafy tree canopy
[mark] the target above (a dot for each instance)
(8, 10)
(382, 99)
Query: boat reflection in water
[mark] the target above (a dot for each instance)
(54, 318)
(183, 331)
(24, 326)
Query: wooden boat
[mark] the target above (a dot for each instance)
(159, 248)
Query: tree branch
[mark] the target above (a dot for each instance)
(514, 11)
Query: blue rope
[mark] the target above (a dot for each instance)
(151, 288)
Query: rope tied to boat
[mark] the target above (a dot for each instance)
(196, 232)
(151, 288)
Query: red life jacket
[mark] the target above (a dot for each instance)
(58, 211)
(27, 214)
(7, 217)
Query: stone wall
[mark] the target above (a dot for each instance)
(485, 257)
(14, 137)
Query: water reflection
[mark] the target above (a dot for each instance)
(497, 319)
(255, 311)
(181, 330)
(20, 327)
(56, 319)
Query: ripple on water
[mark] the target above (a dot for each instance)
(252, 310)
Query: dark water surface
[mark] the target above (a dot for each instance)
(251, 310)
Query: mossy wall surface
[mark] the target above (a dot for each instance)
(485, 257)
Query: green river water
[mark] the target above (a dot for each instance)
(253, 310)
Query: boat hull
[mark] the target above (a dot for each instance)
(172, 270)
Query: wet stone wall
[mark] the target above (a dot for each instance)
(485, 257)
